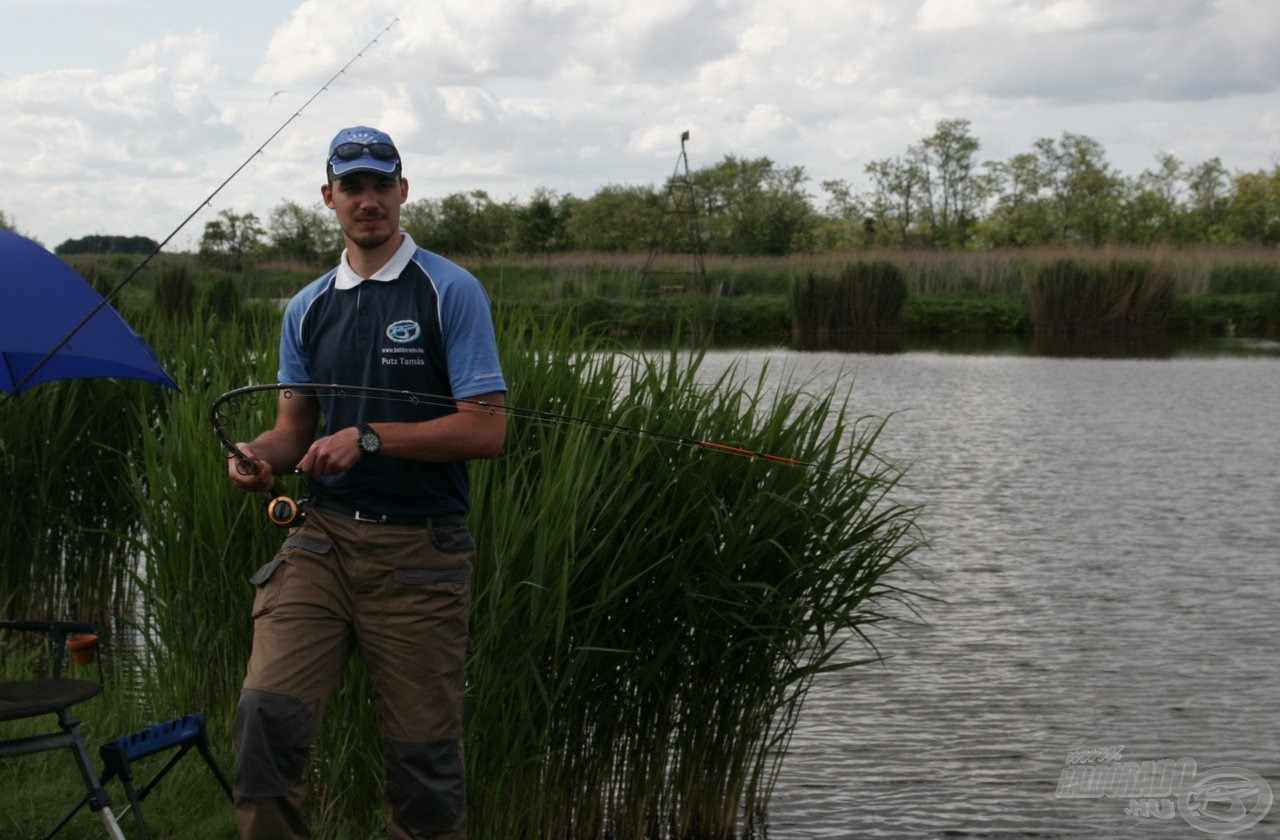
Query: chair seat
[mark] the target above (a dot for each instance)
(26, 698)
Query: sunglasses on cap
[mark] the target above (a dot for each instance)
(351, 151)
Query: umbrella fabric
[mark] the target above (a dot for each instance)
(42, 299)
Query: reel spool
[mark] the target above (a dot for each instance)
(284, 511)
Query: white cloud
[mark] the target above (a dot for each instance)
(468, 105)
(185, 58)
(1058, 16)
(319, 38)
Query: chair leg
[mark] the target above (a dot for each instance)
(207, 754)
(97, 797)
(133, 795)
(109, 822)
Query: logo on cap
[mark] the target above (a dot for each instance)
(362, 149)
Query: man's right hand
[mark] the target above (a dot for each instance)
(257, 480)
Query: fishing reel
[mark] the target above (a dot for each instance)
(282, 510)
(280, 507)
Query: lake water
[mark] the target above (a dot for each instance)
(1106, 536)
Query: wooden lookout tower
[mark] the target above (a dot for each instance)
(675, 252)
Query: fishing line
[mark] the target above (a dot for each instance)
(207, 201)
(284, 511)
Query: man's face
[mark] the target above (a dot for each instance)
(367, 206)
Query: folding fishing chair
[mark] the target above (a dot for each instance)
(56, 695)
(30, 698)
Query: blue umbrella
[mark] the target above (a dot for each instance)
(54, 325)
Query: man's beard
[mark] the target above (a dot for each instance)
(371, 238)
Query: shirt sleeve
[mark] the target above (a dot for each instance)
(293, 356)
(472, 348)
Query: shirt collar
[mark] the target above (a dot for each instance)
(348, 279)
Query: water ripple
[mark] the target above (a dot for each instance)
(1105, 536)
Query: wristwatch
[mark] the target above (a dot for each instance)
(369, 442)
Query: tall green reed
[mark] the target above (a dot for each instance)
(66, 448)
(864, 297)
(200, 537)
(651, 617)
(1121, 296)
(203, 540)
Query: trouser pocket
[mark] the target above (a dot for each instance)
(272, 577)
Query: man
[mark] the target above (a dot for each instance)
(381, 563)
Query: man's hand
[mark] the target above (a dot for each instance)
(332, 454)
(259, 480)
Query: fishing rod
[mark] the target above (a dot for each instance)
(207, 201)
(284, 511)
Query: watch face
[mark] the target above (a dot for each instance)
(369, 441)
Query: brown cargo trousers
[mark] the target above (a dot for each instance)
(400, 594)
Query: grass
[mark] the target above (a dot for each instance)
(1196, 270)
(974, 314)
(1242, 314)
(63, 456)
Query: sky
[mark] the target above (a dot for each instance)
(122, 117)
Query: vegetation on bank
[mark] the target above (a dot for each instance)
(1208, 291)
(641, 651)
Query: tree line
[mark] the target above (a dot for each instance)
(938, 194)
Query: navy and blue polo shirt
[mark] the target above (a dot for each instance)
(420, 324)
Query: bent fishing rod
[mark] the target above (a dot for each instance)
(284, 511)
(205, 203)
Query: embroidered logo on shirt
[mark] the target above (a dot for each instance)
(403, 332)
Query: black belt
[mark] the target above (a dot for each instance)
(384, 518)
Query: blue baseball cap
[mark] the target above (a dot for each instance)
(362, 149)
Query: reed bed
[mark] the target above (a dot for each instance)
(1196, 270)
(1071, 296)
(655, 635)
(1004, 271)
(201, 537)
(865, 297)
(647, 621)
(65, 449)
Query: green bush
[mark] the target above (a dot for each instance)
(1225, 314)
(971, 313)
(1244, 279)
